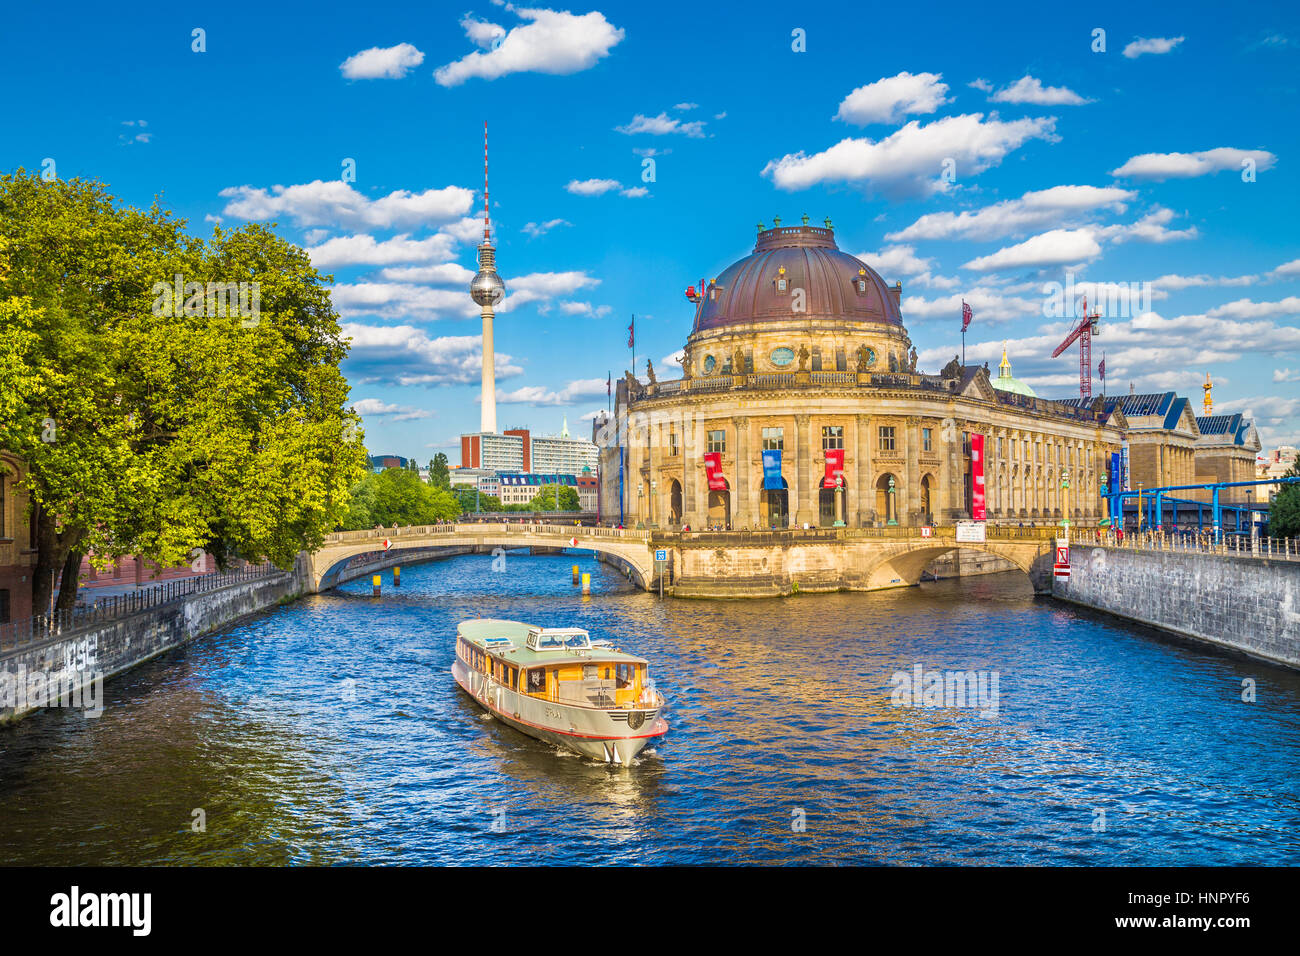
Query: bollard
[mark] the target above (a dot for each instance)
(586, 584)
(575, 574)
(397, 576)
(374, 582)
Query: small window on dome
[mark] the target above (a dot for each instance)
(782, 283)
(861, 281)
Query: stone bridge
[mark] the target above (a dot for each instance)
(705, 564)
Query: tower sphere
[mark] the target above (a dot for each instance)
(487, 287)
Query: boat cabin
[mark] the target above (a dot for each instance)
(557, 664)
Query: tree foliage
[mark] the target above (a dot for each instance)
(439, 472)
(152, 426)
(1284, 513)
(398, 496)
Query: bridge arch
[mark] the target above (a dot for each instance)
(901, 564)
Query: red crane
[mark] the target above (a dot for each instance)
(1084, 332)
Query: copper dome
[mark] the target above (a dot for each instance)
(835, 284)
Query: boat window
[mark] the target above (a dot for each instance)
(623, 676)
(577, 640)
(589, 672)
(536, 681)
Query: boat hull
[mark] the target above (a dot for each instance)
(603, 734)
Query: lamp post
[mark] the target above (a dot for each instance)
(654, 488)
(893, 511)
(640, 499)
(1065, 500)
(839, 501)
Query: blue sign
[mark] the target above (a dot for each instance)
(772, 469)
(661, 555)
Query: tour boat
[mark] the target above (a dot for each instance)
(558, 685)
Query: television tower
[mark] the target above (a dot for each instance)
(486, 289)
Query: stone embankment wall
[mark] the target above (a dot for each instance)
(967, 562)
(1247, 604)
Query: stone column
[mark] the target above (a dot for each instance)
(866, 496)
(803, 468)
(909, 494)
(743, 513)
(694, 501)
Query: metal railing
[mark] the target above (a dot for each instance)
(1239, 545)
(43, 627)
(485, 526)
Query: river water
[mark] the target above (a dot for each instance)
(330, 731)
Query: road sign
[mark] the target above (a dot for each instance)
(1063, 555)
(1061, 570)
(926, 531)
(387, 544)
(970, 531)
(661, 555)
(573, 542)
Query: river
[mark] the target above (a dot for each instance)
(329, 731)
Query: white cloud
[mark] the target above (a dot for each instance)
(554, 42)
(336, 203)
(910, 161)
(1187, 165)
(897, 261)
(1034, 210)
(1030, 89)
(673, 361)
(592, 187)
(635, 192)
(366, 250)
(536, 229)
(1286, 375)
(662, 125)
(377, 408)
(1249, 309)
(1267, 409)
(1053, 248)
(981, 84)
(687, 106)
(540, 395)
(1153, 45)
(889, 99)
(584, 308)
(541, 286)
(1186, 282)
(988, 304)
(480, 32)
(215, 220)
(391, 63)
(404, 355)
(1150, 228)
(396, 300)
(1287, 269)
(444, 273)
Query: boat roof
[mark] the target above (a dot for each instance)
(530, 645)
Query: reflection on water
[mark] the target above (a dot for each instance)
(330, 731)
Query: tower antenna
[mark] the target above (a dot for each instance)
(487, 221)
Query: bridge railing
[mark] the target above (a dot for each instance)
(397, 535)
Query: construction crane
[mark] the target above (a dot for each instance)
(1084, 332)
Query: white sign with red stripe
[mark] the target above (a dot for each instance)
(926, 531)
(1063, 555)
(387, 544)
(573, 542)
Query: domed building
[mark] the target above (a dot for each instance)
(801, 403)
(1006, 382)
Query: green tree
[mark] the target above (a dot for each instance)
(468, 502)
(398, 496)
(439, 473)
(1284, 514)
(545, 499)
(153, 423)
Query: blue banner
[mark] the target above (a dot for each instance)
(772, 469)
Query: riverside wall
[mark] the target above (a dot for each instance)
(1243, 603)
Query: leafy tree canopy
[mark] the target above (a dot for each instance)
(398, 496)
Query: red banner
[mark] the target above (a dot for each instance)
(977, 511)
(713, 468)
(834, 466)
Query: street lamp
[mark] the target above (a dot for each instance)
(893, 510)
(839, 501)
(654, 488)
(1065, 500)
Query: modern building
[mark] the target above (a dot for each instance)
(588, 489)
(563, 453)
(800, 402)
(511, 451)
(1275, 464)
(519, 489)
(379, 462)
(17, 542)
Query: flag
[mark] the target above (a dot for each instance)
(966, 315)
(1101, 369)
(631, 334)
(609, 385)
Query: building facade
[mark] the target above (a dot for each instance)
(563, 453)
(799, 351)
(17, 549)
(519, 489)
(508, 451)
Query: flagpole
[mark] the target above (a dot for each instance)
(631, 338)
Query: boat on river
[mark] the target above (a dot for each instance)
(558, 685)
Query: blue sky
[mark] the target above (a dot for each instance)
(965, 153)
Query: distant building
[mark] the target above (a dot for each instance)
(588, 490)
(1275, 464)
(1226, 451)
(510, 451)
(379, 462)
(519, 489)
(485, 479)
(563, 453)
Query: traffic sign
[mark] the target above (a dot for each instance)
(661, 555)
(573, 542)
(926, 531)
(387, 544)
(1063, 555)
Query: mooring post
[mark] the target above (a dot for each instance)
(397, 576)
(575, 574)
(586, 584)
(374, 584)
